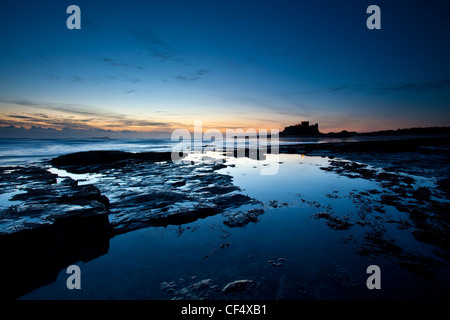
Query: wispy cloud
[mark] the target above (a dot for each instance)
(113, 62)
(156, 47)
(426, 85)
(78, 79)
(56, 122)
(75, 116)
(71, 108)
(407, 86)
(193, 77)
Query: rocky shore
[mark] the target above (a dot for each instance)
(52, 220)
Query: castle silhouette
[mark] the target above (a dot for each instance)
(301, 129)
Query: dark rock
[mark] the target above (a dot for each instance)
(178, 183)
(241, 219)
(422, 193)
(218, 189)
(80, 162)
(157, 198)
(232, 200)
(183, 217)
(204, 289)
(239, 285)
(333, 221)
(444, 185)
(168, 287)
(32, 258)
(86, 192)
(389, 199)
(408, 180)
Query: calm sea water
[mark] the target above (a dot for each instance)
(20, 151)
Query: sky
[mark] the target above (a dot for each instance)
(159, 65)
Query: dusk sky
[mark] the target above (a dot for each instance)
(161, 65)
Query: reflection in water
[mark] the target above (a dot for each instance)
(294, 247)
(33, 258)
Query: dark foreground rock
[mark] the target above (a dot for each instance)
(239, 285)
(38, 197)
(92, 161)
(426, 156)
(49, 222)
(241, 219)
(134, 195)
(34, 257)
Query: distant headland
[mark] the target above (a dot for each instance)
(304, 129)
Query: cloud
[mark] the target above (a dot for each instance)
(339, 88)
(38, 132)
(89, 24)
(20, 117)
(78, 79)
(76, 117)
(48, 122)
(426, 85)
(408, 86)
(193, 77)
(43, 57)
(77, 109)
(136, 123)
(156, 47)
(115, 63)
(60, 122)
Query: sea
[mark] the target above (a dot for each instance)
(24, 150)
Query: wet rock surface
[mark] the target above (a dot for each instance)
(37, 198)
(205, 289)
(241, 219)
(413, 178)
(134, 194)
(53, 221)
(333, 221)
(33, 257)
(239, 285)
(201, 290)
(141, 196)
(426, 206)
(94, 161)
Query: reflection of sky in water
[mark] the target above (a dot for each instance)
(296, 175)
(316, 260)
(5, 201)
(82, 178)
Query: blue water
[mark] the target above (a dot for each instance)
(318, 262)
(20, 151)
